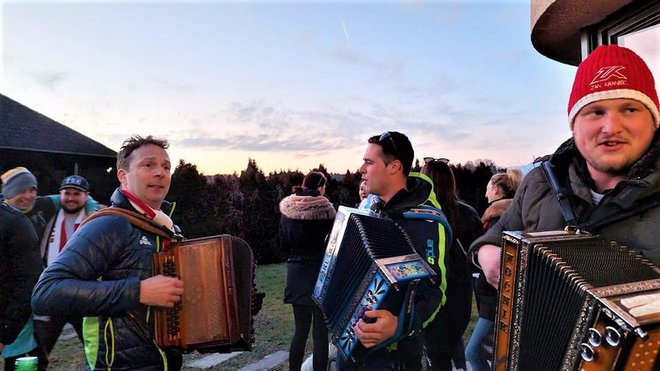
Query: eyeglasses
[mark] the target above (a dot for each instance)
(431, 159)
(386, 135)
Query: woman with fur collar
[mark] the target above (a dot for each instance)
(307, 218)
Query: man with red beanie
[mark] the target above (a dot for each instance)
(610, 168)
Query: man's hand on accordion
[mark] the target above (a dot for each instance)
(489, 259)
(382, 327)
(161, 291)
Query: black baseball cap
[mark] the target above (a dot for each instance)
(76, 182)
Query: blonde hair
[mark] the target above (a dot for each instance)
(508, 182)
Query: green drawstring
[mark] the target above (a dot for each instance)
(109, 351)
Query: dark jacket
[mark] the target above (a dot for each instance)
(20, 267)
(629, 213)
(466, 228)
(485, 293)
(306, 220)
(428, 238)
(449, 326)
(97, 275)
(43, 215)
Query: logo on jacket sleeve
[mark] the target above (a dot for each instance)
(144, 241)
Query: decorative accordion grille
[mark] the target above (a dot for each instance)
(205, 283)
(554, 295)
(365, 239)
(215, 312)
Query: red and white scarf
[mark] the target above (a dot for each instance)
(58, 236)
(156, 216)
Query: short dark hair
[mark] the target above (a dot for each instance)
(396, 146)
(133, 143)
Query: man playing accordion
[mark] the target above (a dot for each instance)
(393, 190)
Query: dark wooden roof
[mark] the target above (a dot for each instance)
(24, 129)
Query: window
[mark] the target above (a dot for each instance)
(636, 26)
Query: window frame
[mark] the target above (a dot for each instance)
(636, 16)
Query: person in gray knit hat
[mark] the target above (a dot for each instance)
(19, 185)
(20, 266)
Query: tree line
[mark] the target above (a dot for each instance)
(246, 205)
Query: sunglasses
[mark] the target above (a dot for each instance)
(387, 136)
(431, 159)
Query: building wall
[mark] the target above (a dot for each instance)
(51, 168)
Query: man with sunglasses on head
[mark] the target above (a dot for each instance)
(385, 171)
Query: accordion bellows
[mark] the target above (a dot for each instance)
(575, 302)
(366, 257)
(215, 311)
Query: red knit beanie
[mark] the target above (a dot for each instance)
(613, 72)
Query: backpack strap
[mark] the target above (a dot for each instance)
(135, 219)
(561, 190)
(430, 213)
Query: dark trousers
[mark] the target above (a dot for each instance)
(443, 338)
(407, 357)
(303, 316)
(10, 363)
(47, 332)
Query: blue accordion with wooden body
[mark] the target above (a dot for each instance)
(367, 258)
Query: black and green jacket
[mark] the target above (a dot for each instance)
(430, 239)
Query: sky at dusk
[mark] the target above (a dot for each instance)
(290, 84)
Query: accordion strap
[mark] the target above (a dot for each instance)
(561, 191)
(135, 219)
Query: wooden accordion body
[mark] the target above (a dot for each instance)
(215, 311)
(366, 258)
(572, 301)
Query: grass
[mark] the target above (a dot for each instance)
(273, 329)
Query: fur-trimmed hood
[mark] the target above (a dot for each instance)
(307, 207)
(496, 209)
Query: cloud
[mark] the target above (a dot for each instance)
(309, 144)
(390, 70)
(50, 79)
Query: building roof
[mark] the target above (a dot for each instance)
(557, 25)
(22, 128)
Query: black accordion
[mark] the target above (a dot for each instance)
(572, 301)
(366, 257)
(215, 311)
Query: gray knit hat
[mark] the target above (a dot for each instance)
(16, 181)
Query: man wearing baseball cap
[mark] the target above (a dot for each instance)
(55, 219)
(609, 169)
(20, 267)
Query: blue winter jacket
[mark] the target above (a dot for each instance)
(97, 275)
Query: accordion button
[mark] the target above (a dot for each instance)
(595, 337)
(612, 336)
(588, 354)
